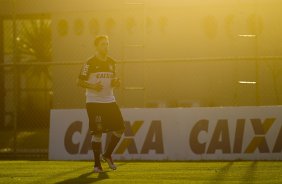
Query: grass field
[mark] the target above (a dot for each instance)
(140, 172)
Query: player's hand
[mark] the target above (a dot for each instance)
(97, 86)
(115, 82)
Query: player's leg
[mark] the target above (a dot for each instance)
(115, 138)
(114, 122)
(96, 133)
(107, 156)
(96, 147)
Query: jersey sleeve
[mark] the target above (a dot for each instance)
(113, 63)
(84, 72)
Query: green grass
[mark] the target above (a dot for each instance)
(140, 172)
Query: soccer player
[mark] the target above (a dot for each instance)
(99, 78)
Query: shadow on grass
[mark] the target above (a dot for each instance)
(83, 178)
(86, 179)
(221, 173)
(249, 175)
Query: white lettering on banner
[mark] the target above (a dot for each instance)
(247, 133)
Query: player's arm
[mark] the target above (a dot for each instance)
(83, 79)
(115, 81)
(85, 84)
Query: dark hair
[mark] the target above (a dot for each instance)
(99, 38)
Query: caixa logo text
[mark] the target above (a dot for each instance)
(220, 137)
(153, 140)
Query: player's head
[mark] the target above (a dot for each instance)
(102, 44)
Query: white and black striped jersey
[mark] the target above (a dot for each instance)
(96, 70)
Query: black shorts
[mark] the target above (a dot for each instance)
(104, 117)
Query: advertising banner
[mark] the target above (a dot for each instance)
(218, 133)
